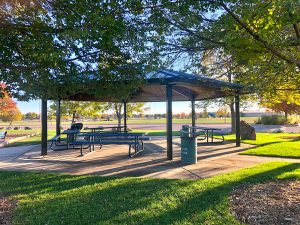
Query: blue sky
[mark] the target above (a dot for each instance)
(178, 107)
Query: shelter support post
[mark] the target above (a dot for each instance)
(193, 113)
(169, 123)
(58, 117)
(237, 121)
(125, 117)
(44, 132)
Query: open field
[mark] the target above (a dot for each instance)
(45, 198)
(268, 144)
(31, 123)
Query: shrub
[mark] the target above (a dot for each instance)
(273, 120)
(258, 121)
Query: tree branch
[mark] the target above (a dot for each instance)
(179, 26)
(12, 67)
(256, 36)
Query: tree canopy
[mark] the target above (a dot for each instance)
(259, 39)
(284, 101)
(51, 49)
(56, 48)
(77, 108)
(118, 109)
(9, 110)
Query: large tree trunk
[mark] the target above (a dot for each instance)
(73, 117)
(232, 113)
(118, 108)
(286, 115)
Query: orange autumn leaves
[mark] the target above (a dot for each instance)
(9, 111)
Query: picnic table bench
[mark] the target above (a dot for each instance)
(91, 139)
(56, 141)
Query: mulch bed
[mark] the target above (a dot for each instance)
(267, 203)
(7, 206)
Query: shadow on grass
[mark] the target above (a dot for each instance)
(53, 198)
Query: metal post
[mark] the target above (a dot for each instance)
(125, 117)
(44, 134)
(193, 113)
(169, 123)
(58, 110)
(237, 121)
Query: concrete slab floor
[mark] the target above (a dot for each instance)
(113, 160)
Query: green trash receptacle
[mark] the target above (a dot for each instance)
(188, 146)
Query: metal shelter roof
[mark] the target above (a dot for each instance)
(185, 87)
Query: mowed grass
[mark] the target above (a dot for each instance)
(64, 199)
(134, 121)
(273, 144)
(18, 132)
(30, 140)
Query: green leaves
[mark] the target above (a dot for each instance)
(55, 46)
(285, 99)
(77, 109)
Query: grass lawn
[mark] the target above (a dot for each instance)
(25, 132)
(136, 121)
(64, 199)
(31, 140)
(273, 144)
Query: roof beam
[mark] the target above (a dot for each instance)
(183, 91)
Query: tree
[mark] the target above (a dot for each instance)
(261, 38)
(31, 116)
(51, 49)
(131, 108)
(9, 111)
(10, 115)
(75, 109)
(287, 102)
(222, 112)
(6, 102)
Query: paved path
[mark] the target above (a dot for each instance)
(12, 153)
(113, 161)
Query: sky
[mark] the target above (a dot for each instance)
(155, 108)
(178, 107)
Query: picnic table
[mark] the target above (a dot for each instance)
(71, 136)
(95, 138)
(209, 131)
(56, 140)
(100, 128)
